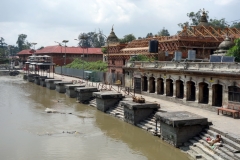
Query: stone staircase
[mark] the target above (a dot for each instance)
(149, 125)
(116, 111)
(198, 148)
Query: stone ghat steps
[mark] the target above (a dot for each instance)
(205, 152)
(149, 125)
(116, 111)
(228, 151)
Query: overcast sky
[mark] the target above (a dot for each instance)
(46, 21)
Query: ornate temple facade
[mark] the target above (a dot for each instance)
(199, 83)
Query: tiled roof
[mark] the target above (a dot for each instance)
(69, 50)
(24, 52)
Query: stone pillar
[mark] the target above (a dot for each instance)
(165, 87)
(174, 89)
(196, 94)
(184, 91)
(225, 96)
(156, 85)
(210, 96)
(149, 83)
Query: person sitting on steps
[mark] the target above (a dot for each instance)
(217, 140)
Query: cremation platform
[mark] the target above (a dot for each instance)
(178, 127)
(70, 89)
(50, 83)
(60, 85)
(85, 94)
(105, 100)
(136, 112)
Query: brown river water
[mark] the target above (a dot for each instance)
(29, 133)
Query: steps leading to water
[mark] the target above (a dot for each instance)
(228, 151)
(116, 111)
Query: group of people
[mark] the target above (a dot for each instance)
(215, 143)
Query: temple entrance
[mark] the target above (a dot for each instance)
(160, 86)
(151, 85)
(203, 93)
(169, 87)
(144, 84)
(179, 89)
(137, 85)
(191, 93)
(217, 93)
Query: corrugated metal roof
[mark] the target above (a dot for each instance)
(69, 50)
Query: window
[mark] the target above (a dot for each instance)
(113, 61)
(234, 94)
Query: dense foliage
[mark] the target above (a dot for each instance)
(127, 38)
(91, 39)
(22, 42)
(195, 18)
(92, 66)
(235, 50)
(141, 57)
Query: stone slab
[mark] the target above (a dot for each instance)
(107, 95)
(181, 118)
(62, 83)
(134, 105)
(86, 89)
(52, 80)
(73, 86)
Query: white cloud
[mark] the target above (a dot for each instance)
(47, 21)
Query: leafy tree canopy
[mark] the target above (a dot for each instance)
(92, 66)
(140, 57)
(163, 32)
(127, 38)
(22, 42)
(149, 35)
(91, 39)
(235, 50)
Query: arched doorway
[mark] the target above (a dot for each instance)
(203, 93)
(145, 84)
(179, 89)
(169, 87)
(160, 86)
(151, 85)
(217, 95)
(191, 91)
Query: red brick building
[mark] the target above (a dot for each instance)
(58, 54)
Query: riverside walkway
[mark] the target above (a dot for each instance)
(225, 124)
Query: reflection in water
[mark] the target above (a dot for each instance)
(27, 132)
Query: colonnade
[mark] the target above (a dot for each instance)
(187, 90)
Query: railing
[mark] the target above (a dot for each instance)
(197, 66)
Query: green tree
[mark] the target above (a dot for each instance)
(140, 57)
(163, 32)
(149, 35)
(127, 38)
(22, 43)
(195, 19)
(236, 25)
(235, 50)
(91, 39)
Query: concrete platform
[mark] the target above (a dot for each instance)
(178, 127)
(30, 77)
(136, 112)
(70, 89)
(50, 83)
(42, 81)
(85, 94)
(37, 79)
(105, 100)
(60, 85)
